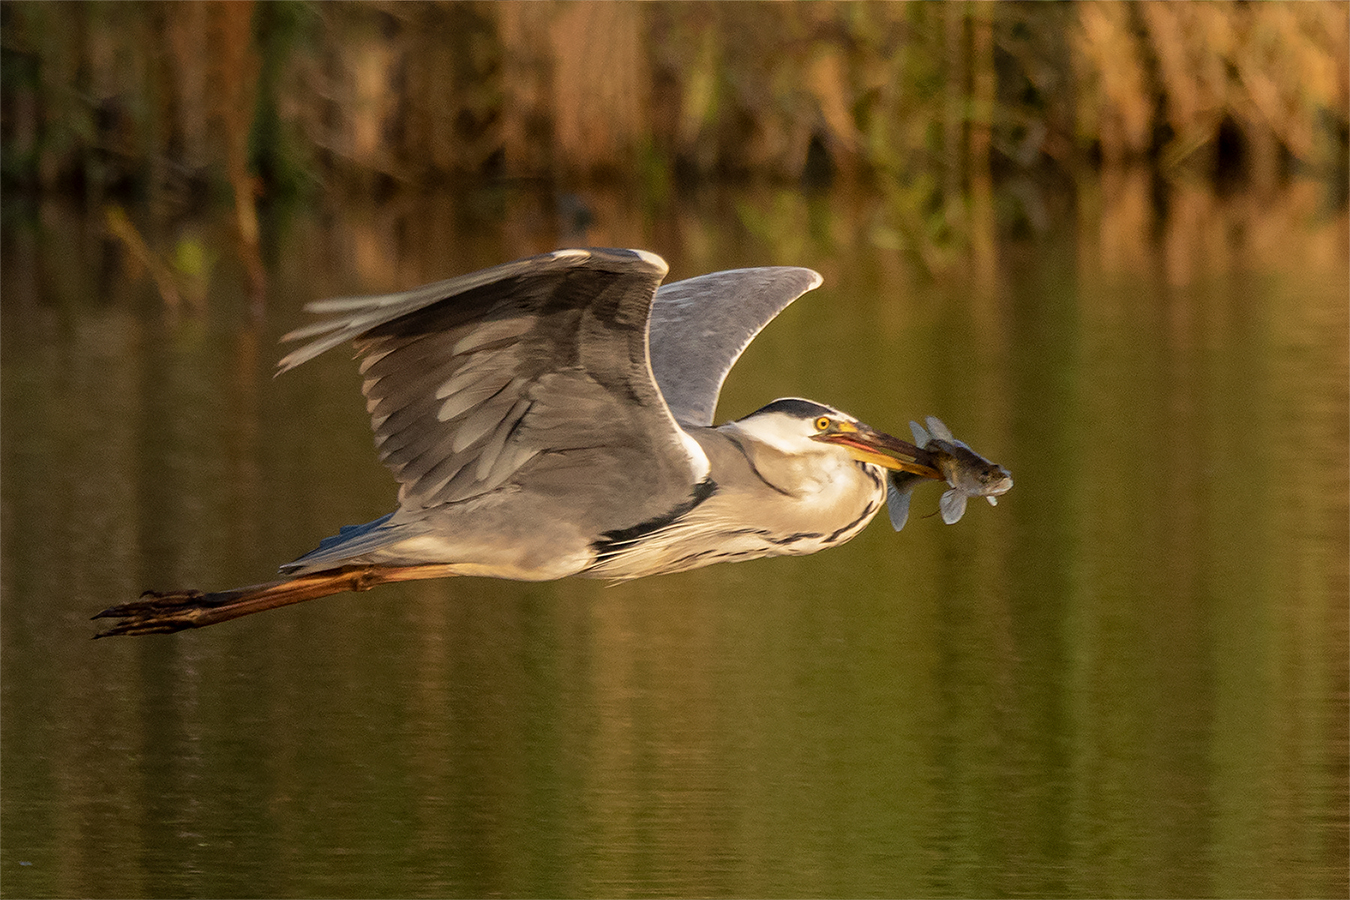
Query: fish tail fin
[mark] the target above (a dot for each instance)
(899, 488)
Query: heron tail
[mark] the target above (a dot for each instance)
(165, 612)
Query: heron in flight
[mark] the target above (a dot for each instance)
(552, 417)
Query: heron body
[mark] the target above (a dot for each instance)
(775, 502)
(553, 416)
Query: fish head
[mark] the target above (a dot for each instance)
(975, 476)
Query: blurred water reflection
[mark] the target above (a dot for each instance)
(1128, 679)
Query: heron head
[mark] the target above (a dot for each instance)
(800, 427)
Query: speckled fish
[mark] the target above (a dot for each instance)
(967, 473)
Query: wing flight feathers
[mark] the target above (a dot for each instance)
(353, 316)
(700, 326)
(468, 380)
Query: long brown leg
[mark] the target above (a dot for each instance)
(169, 611)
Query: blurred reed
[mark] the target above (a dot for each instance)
(925, 102)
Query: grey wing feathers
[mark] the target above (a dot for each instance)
(352, 316)
(469, 379)
(352, 541)
(700, 326)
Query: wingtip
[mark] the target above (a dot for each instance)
(579, 255)
(288, 362)
(653, 260)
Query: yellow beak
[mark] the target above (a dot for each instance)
(881, 449)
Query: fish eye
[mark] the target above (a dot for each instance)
(822, 423)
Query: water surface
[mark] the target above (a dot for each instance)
(1127, 679)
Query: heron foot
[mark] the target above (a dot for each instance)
(163, 612)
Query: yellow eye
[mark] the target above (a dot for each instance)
(822, 423)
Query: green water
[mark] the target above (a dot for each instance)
(1128, 679)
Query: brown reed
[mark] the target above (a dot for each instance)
(141, 96)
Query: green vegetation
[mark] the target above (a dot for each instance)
(924, 105)
(147, 97)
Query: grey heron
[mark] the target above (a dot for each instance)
(552, 417)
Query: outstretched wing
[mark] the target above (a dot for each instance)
(701, 325)
(469, 380)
